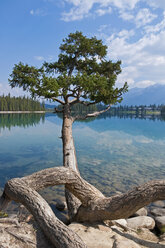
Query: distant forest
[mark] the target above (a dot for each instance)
(138, 110)
(141, 109)
(8, 103)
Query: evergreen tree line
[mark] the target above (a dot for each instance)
(8, 103)
(141, 109)
(81, 109)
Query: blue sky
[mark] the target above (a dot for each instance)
(134, 31)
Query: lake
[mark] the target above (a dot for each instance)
(114, 153)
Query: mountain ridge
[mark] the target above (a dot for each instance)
(154, 94)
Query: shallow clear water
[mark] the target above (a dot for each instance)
(114, 154)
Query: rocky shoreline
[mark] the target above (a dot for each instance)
(146, 228)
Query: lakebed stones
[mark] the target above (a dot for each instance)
(102, 236)
(160, 223)
(160, 204)
(141, 222)
(61, 205)
(158, 211)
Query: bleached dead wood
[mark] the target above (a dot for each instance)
(94, 205)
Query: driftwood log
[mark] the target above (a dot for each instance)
(94, 205)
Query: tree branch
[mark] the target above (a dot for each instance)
(58, 111)
(77, 100)
(58, 100)
(73, 64)
(77, 97)
(73, 101)
(94, 114)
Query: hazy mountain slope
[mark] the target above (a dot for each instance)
(151, 95)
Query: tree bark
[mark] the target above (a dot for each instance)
(69, 158)
(69, 152)
(123, 205)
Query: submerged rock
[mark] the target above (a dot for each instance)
(160, 223)
(160, 204)
(61, 205)
(158, 211)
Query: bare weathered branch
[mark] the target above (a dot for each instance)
(74, 101)
(94, 114)
(84, 191)
(58, 100)
(56, 110)
(123, 205)
(95, 207)
(77, 100)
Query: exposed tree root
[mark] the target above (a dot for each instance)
(95, 206)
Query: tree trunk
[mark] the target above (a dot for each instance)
(69, 152)
(69, 158)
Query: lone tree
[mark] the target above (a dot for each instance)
(81, 75)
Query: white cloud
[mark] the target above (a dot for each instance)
(126, 34)
(143, 17)
(144, 83)
(143, 60)
(156, 28)
(102, 28)
(102, 12)
(79, 11)
(50, 57)
(32, 12)
(156, 3)
(81, 8)
(142, 139)
(39, 58)
(6, 89)
(126, 15)
(38, 12)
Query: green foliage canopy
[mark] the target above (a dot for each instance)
(81, 72)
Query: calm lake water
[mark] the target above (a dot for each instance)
(113, 153)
